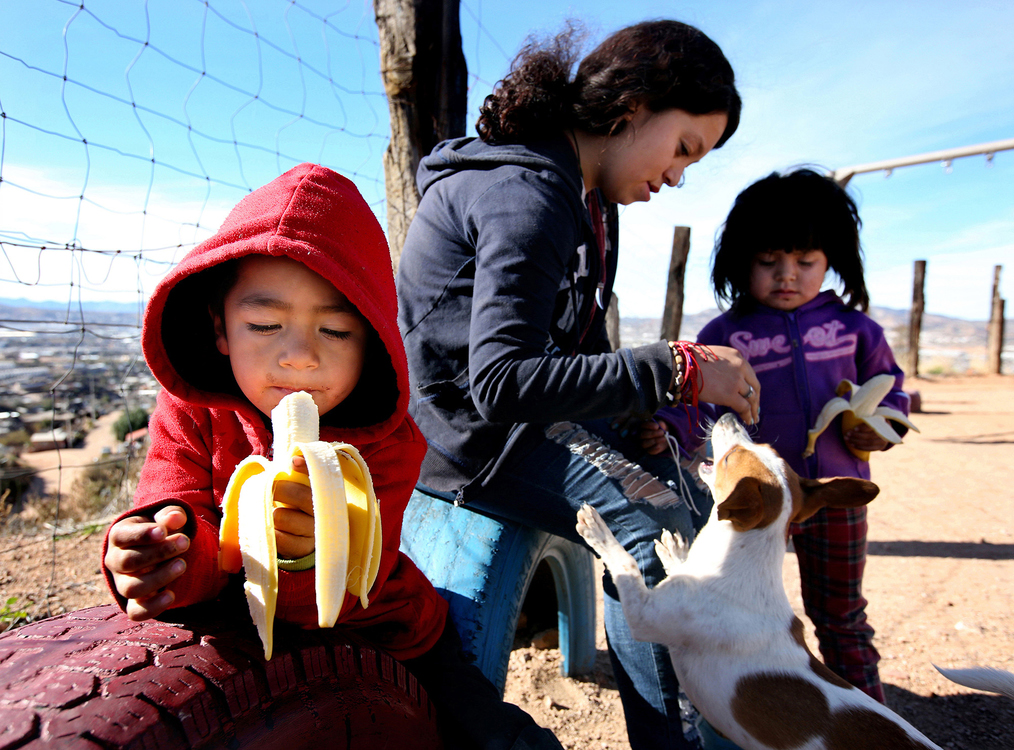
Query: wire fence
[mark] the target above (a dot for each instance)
(127, 132)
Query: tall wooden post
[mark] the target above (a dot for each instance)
(995, 345)
(425, 77)
(613, 322)
(672, 315)
(915, 318)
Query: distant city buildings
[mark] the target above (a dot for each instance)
(57, 379)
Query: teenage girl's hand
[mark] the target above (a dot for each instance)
(729, 380)
(863, 438)
(143, 558)
(293, 516)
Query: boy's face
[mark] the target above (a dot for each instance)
(787, 280)
(288, 329)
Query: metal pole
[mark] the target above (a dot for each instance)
(843, 175)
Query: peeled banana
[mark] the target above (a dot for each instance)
(346, 515)
(863, 405)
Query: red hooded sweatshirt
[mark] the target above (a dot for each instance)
(203, 426)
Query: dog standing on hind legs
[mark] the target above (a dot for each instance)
(736, 645)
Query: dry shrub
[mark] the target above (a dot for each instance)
(103, 489)
(106, 488)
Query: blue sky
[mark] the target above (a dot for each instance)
(830, 84)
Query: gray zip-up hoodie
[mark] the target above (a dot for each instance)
(500, 286)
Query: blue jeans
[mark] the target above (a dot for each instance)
(638, 495)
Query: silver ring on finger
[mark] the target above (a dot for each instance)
(749, 392)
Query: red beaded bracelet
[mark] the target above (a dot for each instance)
(687, 378)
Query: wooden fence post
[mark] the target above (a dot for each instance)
(995, 347)
(915, 318)
(672, 315)
(425, 77)
(613, 322)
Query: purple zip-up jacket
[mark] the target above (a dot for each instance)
(800, 357)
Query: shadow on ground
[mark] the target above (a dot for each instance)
(966, 550)
(971, 721)
(978, 721)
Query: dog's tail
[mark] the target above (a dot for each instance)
(982, 678)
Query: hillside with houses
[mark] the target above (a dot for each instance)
(60, 373)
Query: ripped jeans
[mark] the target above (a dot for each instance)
(638, 495)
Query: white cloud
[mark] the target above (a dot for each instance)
(958, 285)
(141, 235)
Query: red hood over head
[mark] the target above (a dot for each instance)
(315, 216)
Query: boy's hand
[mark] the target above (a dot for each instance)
(863, 438)
(652, 436)
(143, 558)
(293, 516)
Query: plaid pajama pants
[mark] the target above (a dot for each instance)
(831, 550)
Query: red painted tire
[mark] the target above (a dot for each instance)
(94, 679)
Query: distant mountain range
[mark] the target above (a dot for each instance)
(937, 330)
(111, 307)
(28, 312)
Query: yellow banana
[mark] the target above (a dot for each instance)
(346, 517)
(862, 406)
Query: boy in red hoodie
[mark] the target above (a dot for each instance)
(294, 292)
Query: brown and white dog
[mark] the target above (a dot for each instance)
(736, 644)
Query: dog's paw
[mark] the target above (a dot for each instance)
(672, 550)
(596, 533)
(593, 530)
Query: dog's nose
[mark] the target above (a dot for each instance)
(734, 429)
(727, 420)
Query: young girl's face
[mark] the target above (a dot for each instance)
(288, 329)
(786, 280)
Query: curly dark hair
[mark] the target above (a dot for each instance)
(798, 210)
(659, 64)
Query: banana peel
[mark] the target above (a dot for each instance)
(346, 512)
(861, 407)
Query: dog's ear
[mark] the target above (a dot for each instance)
(839, 492)
(751, 504)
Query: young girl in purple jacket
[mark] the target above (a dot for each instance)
(782, 236)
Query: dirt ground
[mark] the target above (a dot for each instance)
(940, 580)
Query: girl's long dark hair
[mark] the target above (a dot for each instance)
(660, 64)
(798, 210)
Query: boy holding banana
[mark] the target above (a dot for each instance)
(294, 293)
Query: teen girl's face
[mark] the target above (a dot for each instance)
(288, 329)
(787, 280)
(652, 151)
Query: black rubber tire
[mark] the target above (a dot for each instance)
(94, 679)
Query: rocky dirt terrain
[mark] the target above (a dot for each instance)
(940, 580)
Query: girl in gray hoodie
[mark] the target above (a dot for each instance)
(504, 278)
